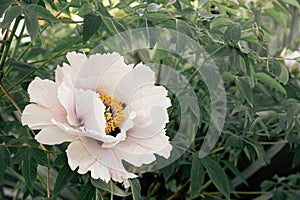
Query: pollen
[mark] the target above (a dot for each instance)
(114, 114)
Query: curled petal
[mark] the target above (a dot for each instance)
(87, 155)
(43, 92)
(148, 126)
(66, 96)
(90, 110)
(53, 135)
(76, 59)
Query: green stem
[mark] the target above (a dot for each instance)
(7, 46)
(48, 177)
(111, 190)
(18, 41)
(10, 98)
(4, 42)
(206, 185)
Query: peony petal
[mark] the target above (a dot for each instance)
(289, 63)
(294, 55)
(90, 110)
(66, 97)
(134, 154)
(51, 135)
(36, 116)
(108, 140)
(43, 92)
(140, 151)
(59, 74)
(147, 127)
(101, 72)
(76, 60)
(138, 77)
(122, 177)
(70, 73)
(147, 97)
(87, 155)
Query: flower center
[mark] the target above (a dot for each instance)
(113, 113)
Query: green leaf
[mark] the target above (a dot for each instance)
(201, 3)
(217, 175)
(249, 69)
(40, 156)
(10, 15)
(31, 12)
(40, 11)
(64, 176)
(60, 159)
(4, 5)
(19, 156)
(158, 17)
(234, 142)
(106, 187)
(197, 175)
(258, 148)
(171, 185)
(113, 26)
(87, 192)
(31, 22)
(20, 65)
(220, 22)
(245, 89)
(183, 27)
(279, 17)
(233, 33)
(4, 160)
(273, 66)
(153, 7)
(292, 2)
(235, 171)
(284, 74)
(215, 37)
(266, 185)
(86, 9)
(268, 80)
(235, 61)
(135, 188)
(296, 159)
(279, 195)
(168, 171)
(91, 24)
(29, 169)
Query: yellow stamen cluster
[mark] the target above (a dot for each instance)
(113, 113)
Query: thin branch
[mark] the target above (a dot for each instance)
(6, 47)
(180, 191)
(10, 98)
(111, 190)
(48, 177)
(159, 72)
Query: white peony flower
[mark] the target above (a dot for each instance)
(290, 57)
(107, 110)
